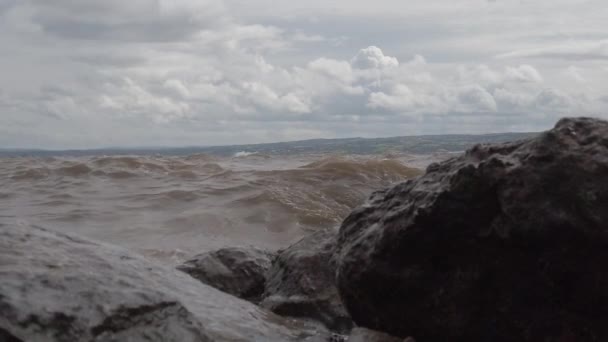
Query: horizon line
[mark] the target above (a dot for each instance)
(30, 149)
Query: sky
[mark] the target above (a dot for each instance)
(89, 73)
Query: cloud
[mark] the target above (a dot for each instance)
(585, 50)
(479, 73)
(185, 72)
(512, 101)
(109, 60)
(268, 99)
(137, 20)
(309, 38)
(400, 99)
(127, 97)
(334, 69)
(475, 99)
(373, 58)
(575, 74)
(488, 76)
(523, 73)
(177, 87)
(62, 107)
(553, 99)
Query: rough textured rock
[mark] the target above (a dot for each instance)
(366, 335)
(301, 282)
(57, 287)
(239, 271)
(505, 243)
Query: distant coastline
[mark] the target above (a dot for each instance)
(422, 144)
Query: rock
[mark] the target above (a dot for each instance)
(366, 335)
(58, 287)
(301, 282)
(239, 271)
(5, 336)
(504, 243)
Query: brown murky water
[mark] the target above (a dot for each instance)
(169, 207)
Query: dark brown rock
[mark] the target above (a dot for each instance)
(505, 243)
(240, 271)
(301, 282)
(59, 287)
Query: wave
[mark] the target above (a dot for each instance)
(167, 202)
(322, 192)
(251, 155)
(343, 167)
(118, 174)
(4, 195)
(211, 168)
(75, 170)
(129, 163)
(166, 197)
(181, 195)
(200, 157)
(243, 154)
(118, 168)
(31, 174)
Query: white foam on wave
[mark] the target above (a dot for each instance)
(243, 154)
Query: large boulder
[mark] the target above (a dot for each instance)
(58, 287)
(301, 282)
(240, 271)
(504, 243)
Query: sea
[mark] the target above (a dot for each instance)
(169, 207)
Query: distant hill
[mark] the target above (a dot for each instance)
(422, 144)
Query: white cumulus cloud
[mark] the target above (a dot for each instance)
(186, 72)
(373, 58)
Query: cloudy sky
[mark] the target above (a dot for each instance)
(90, 73)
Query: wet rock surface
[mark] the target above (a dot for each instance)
(301, 282)
(508, 242)
(240, 271)
(366, 335)
(58, 287)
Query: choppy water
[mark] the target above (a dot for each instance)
(172, 206)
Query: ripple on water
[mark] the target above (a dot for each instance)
(75, 170)
(165, 202)
(31, 174)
